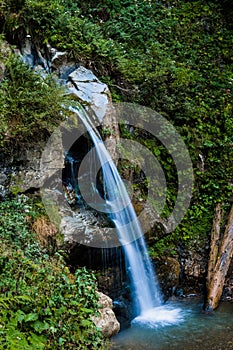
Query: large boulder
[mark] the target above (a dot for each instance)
(27, 169)
(106, 321)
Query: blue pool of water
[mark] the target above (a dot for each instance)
(179, 325)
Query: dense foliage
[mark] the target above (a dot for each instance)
(176, 57)
(42, 305)
(173, 56)
(29, 103)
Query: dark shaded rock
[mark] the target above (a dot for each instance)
(193, 270)
(3, 178)
(168, 273)
(123, 310)
(228, 285)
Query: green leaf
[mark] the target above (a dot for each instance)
(40, 326)
(31, 317)
(86, 311)
(20, 315)
(86, 323)
(37, 341)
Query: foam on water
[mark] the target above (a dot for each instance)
(159, 317)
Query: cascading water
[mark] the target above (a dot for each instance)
(72, 184)
(146, 290)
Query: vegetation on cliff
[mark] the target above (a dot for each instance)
(42, 304)
(173, 56)
(30, 104)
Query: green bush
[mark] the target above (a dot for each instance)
(30, 105)
(42, 305)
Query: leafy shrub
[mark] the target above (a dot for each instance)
(42, 305)
(29, 103)
(15, 222)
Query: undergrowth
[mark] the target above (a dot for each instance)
(42, 304)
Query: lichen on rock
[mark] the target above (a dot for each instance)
(106, 321)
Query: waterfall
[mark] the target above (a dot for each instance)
(72, 185)
(72, 180)
(145, 288)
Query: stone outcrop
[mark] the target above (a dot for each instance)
(86, 228)
(89, 90)
(20, 169)
(95, 95)
(2, 70)
(5, 50)
(107, 321)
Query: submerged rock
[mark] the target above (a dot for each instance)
(107, 321)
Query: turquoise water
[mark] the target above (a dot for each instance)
(191, 329)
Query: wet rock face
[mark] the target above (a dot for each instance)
(95, 95)
(168, 273)
(193, 274)
(183, 275)
(107, 321)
